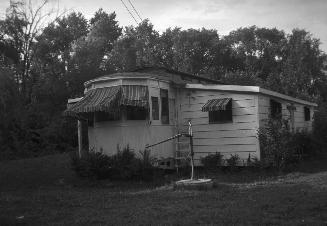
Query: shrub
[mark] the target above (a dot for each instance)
(124, 165)
(233, 160)
(212, 161)
(281, 148)
(320, 129)
(92, 165)
(255, 163)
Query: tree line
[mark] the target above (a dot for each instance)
(43, 63)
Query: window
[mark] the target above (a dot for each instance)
(155, 108)
(105, 116)
(307, 116)
(275, 109)
(164, 106)
(136, 113)
(221, 116)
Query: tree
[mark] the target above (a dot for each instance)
(138, 46)
(91, 51)
(190, 50)
(257, 50)
(22, 24)
(302, 65)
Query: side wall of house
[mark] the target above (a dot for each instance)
(236, 137)
(299, 121)
(107, 135)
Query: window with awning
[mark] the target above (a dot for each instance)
(110, 99)
(217, 104)
(219, 110)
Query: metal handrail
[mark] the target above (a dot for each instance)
(168, 139)
(190, 135)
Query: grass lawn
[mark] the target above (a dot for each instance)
(44, 191)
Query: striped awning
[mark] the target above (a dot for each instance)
(109, 99)
(134, 95)
(216, 104)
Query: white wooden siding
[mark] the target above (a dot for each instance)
(237, 137)
(106, 136)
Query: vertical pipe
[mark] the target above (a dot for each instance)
(190, 133)
(80, 138)
(192, 157)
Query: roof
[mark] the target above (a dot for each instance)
(249, 89)
(171, 71)
(149, 72)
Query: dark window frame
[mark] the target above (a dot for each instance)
(164, 99)
(307, 114)
(221, 116)
(276, 109)
(155, 108)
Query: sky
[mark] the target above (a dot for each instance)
(222, 15)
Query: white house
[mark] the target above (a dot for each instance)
(151, 104)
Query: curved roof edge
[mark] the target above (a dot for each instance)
(148, 72)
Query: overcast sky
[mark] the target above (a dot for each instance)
(222, 15)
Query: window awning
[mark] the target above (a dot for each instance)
(109, 99)
(216, 104)
(134, 95)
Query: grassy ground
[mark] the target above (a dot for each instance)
(44, 191)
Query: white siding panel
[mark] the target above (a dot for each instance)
(236, 137)
(226, 126)
(225, 141)
(229, 149)
(236, 119)
(225, 134)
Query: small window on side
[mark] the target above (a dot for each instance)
(221, 116)
(275, 109)
(155, 108)
(307, 115)
(164, 106)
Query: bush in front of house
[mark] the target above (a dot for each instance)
(320, 129)
(124, 165)
(212, 161)
(92, 164)
(282, 149)
(233, 162)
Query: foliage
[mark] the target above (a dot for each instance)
(233, 161)
(320, 129)
(283, 149)
(212, 161)
(124, 165)
(92, 164)
(255, 163)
